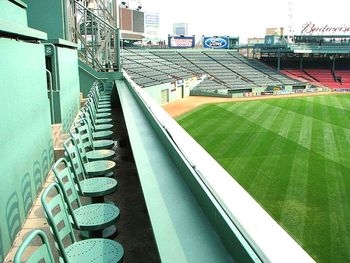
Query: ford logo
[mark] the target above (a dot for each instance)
(215, 42)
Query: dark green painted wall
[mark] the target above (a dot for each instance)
(25, 136)
(47, 16)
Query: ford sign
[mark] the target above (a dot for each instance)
(215, 42)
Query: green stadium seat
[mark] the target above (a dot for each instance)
(91, 169)
(86, 150)
(87, 137)
(89, 250)
(93, 220)
(96, 188)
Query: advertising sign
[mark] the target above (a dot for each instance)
(313, 29)
(179, 82)
(181, 42)
(215, 42)
(152, 27)
(272, 40)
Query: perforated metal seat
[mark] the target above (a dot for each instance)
(103, 127)
(91, 154)
(104, 144)
(103, 110)
(97, 168)
(96, 134)
(95, 250)
(86, 135)
(90, 250)
(97, 117)
(103, 115)
(96, 216)
(96, 187)
(103, 120)
(92, 120)
(100, 155)
(90, 219)
(102, 135)
(94, 168)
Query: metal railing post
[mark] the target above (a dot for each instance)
(51, 97)
(93, 41)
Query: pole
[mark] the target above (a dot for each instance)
(117, 50)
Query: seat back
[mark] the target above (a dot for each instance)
(42, 253)
(74, 159)
(85, 114)
(79, 144)
(57, 216)
(90, 110)
(90, 107)
(65, 179)
(85, 133)
(94, 97)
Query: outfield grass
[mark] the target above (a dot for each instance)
(293, 156)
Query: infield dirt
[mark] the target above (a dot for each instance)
(179, 107)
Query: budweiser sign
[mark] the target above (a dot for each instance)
(310, 29)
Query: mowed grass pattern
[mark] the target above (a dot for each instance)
(293, 156)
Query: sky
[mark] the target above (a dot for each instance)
(244, 18)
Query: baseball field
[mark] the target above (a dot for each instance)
(293, 156)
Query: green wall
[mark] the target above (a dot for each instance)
(69, 85)
(47, 16)
(25, 134)
(88, 76)
(16, 13)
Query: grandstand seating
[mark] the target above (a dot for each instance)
(321, 77)
(224, 69)
(148, 70)
(300, 75)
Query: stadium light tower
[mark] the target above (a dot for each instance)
(290, 26)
